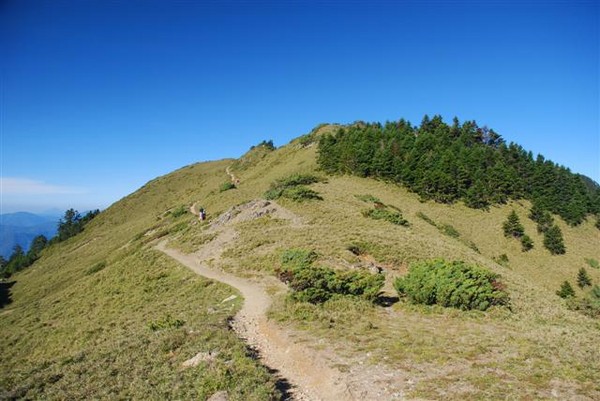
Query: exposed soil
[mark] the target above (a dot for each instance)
(309, 371)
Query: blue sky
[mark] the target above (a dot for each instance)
(99, 97)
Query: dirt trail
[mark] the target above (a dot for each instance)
(234, 179)
(308, 372)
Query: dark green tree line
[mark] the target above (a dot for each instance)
(447, 163)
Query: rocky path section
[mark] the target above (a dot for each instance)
(307, 370)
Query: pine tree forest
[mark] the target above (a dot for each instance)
(461, 161)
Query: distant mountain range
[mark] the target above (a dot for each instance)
(21, 227)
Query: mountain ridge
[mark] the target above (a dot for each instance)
(111, 270)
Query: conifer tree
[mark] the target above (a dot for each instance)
(583, 278)
(553, 240)
(566, 291)
(526, 243)
(512, 226)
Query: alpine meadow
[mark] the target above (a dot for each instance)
(374, 261)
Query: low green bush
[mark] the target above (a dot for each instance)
(178, 211)
(451, 284)
(166, 322)
(589, 304)
(298, 258)
(293, 187)
(393, 217)
(226, 186)
(301, 193)
(318, 284)
(294, 180)
(593, 263)
(368, 198)
(449, 231)
(96, 268)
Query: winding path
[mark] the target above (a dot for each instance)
(306, 370)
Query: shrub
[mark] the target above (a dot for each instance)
(295, 179)
(178, 212)
(449, 231)
(96, 268)
(317, 284)
(451, 284)
(387, 215)
(368, 198)
(502, 260)
(426, 218)
(588, 305)
(566, 290)
(226, 186)
(300, 193)
(526, 243)
(293, 187)
(167, 322)
(298, 258)
(593, 263)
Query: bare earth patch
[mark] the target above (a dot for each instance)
(311, 372)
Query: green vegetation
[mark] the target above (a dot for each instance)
(593, 263)
(293, 187)
(318, 284)
(178, 211)
(50, 350)
(72, 224)
(512, 226)
(392, 216)
(96, 267)
(226, 186)
(110, 352)
(566, 290)
(553, 241)
(589, 304)
(451, 284)
(447, 163)
(167, 322)
(583, 278)
(368, 198)
(526, 243)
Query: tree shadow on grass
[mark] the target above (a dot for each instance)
(5, 295)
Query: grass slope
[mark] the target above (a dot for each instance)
(79, 325)
(68, 324)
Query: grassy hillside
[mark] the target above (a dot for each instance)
(104, 316)
(79, 325)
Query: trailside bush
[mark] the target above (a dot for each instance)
(451, 284)
(226, 186)
(317, 284)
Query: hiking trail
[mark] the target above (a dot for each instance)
(309, 371)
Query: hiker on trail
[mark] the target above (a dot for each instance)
(202, 214)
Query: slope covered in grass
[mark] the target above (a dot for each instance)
(104, 316)
(80, 319)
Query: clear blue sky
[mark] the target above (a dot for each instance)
(98, 97)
